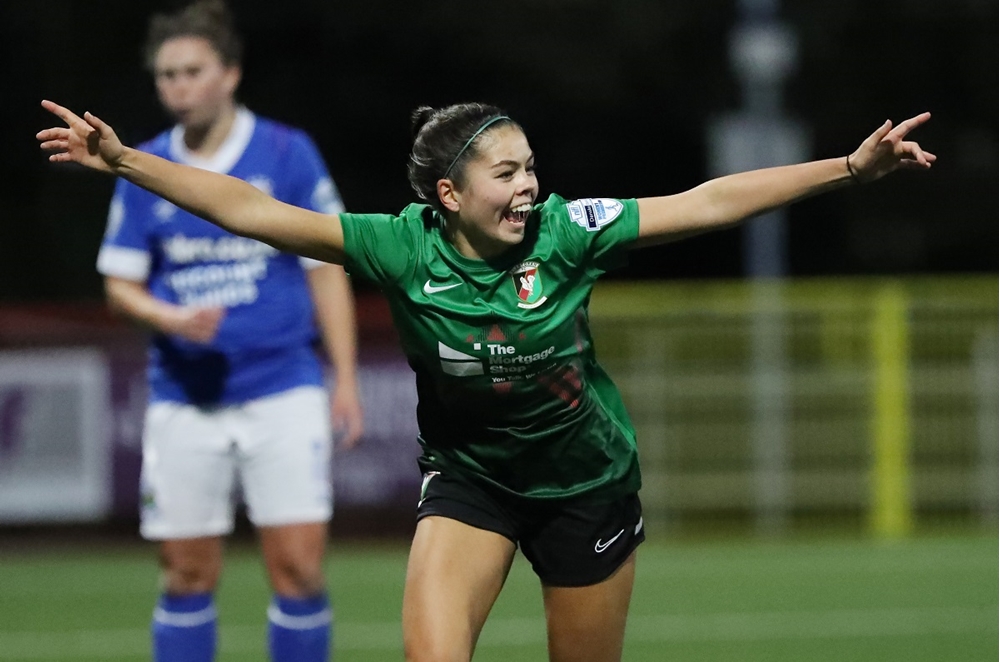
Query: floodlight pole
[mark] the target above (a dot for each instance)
(763, 52)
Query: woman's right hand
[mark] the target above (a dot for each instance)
(87, 140)
(199, 325)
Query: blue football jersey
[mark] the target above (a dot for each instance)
(265, 342)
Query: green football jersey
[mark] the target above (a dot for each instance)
(509, 391)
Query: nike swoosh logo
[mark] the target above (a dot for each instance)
(431, 289)
(601, 546)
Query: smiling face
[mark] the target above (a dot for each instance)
(193, 83)
(488, 205)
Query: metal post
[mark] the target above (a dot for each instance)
(984, 366)
(892, 503)
(764, 53)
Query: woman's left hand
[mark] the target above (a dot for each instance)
(886, 151)
(347, 415)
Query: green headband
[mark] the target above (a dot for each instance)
(475, 135)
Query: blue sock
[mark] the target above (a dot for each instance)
(184, 628)
(299, 629)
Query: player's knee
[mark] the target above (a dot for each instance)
(426, 651)
(183, 574)
(298, 580)
(428, 643)
(188, 579)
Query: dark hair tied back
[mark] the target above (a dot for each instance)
(418, 118)
(439, 142)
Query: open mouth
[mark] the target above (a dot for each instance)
(517, 215)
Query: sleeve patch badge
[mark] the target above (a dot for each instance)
(594, 213)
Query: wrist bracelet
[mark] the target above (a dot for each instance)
(850, 170)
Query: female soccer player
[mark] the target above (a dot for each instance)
(525, 439)
(236, 389)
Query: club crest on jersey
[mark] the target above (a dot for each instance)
(594, 213)
(528, 285)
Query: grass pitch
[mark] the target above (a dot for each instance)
(923, 599)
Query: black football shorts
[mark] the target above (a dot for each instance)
(569, 542)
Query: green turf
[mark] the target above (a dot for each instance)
(926, 599)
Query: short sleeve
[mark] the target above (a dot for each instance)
(380, 247)
(125, 251)
(595, 231)
(311, 184)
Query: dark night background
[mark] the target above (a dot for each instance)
(615, 97)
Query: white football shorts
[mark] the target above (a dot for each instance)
(278, 448)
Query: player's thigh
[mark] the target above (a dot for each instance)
(587, 623)
(293, 556)
(583, 550)
(454, 574)
(285, 450)
(188, 469)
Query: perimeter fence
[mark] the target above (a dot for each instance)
(860, 402)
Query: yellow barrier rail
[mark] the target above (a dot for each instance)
(877, 404)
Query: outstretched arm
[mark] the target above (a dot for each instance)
(730, 199)
(230, 203)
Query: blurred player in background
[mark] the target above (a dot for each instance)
(526, 442)
(237, 397)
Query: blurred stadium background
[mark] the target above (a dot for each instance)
(815, 393)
